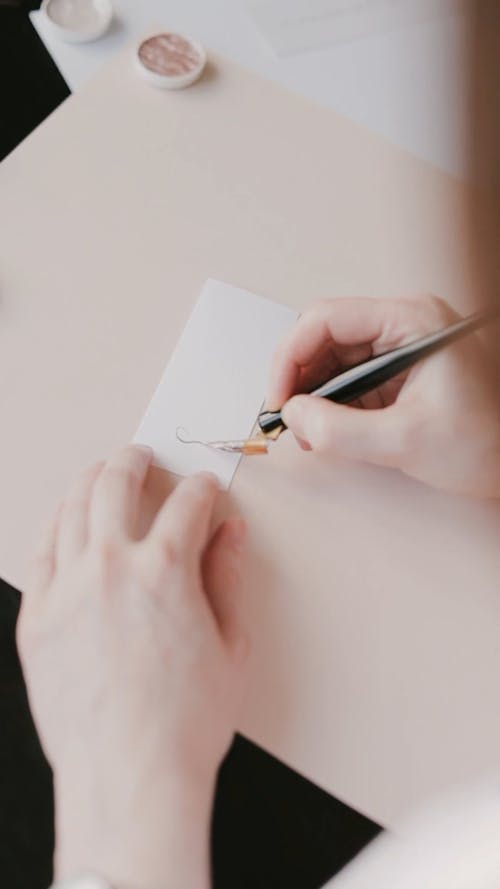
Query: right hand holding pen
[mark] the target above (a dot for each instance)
(439, 422)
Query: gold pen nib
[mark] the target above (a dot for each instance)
(250, 446)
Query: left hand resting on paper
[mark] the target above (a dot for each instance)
(134, 658)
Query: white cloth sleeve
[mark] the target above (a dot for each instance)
(453, 844)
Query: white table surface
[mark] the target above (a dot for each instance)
(407, 85)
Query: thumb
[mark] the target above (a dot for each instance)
(222, 576)
(375, 436)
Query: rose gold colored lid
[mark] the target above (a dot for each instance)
(170, 61)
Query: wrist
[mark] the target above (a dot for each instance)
(154, 838)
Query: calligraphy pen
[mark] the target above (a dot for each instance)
(355, 381)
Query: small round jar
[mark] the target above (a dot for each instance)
(170, 61)
(77, 21)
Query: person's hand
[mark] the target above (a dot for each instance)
(134, 656)
(439, 422)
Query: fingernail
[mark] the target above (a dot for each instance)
(293, 415)
(270, 405)
(209, 476)
(144, 449)
(236, 532)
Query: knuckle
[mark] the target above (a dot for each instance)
(160, 560)
(171, 554)
(163, 575)
(436, 311)
(107, 554)
(107, 548)
(41, 565)
(92, 470)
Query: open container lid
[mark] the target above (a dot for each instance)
(77, 21)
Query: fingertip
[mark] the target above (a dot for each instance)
(271, 403)
(89, 475)
(283, 379)
(118, 490)
(293, 413)
(205, 474)
(277, 395)
(200, 484)
(208, 481)
(131, 457)
(144, 451)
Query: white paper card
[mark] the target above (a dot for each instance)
(215, 382)
(292, 26)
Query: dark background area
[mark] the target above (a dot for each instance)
(272, 828)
